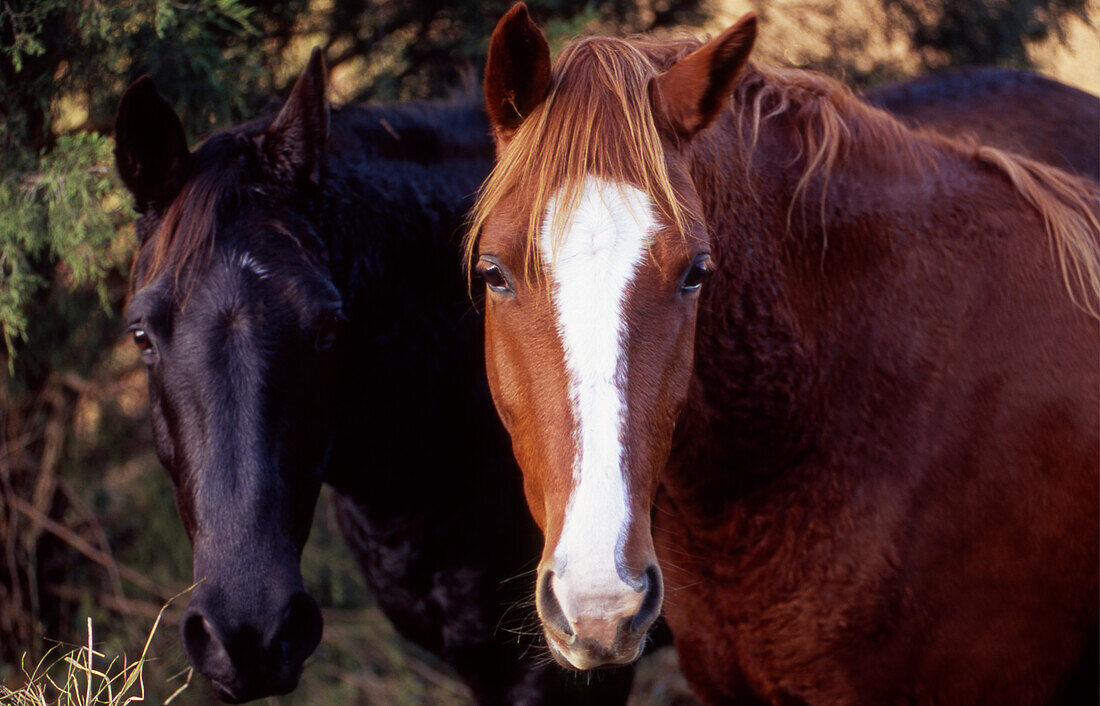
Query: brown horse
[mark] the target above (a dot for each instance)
(846, 368)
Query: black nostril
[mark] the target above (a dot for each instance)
(651, 603)
(196, 638)
(202, 644)
(549, 609)
(300, 631)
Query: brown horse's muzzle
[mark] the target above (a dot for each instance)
(587, 629)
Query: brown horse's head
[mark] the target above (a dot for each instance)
(590, 242)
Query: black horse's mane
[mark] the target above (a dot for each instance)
(393, 151)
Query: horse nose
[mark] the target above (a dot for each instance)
(590, 629)
(650, 608)
(300, 631)
(244, 661)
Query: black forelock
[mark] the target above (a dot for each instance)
(229, 200)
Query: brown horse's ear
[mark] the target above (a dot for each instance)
(517, 74)
(688, 96)
(150, 148)
(295, 142)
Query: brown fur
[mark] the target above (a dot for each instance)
(693, 91)
(607, 94)
(548, 152)
(518, 75)
(882, 486)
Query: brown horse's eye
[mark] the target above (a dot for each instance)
(331, 328)
(144, 344)
(696, 273)
(494, 276)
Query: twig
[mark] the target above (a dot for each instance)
(14, 574)
(91, 521)
(129, 607)
(53, 439)
(11, 446)
(81, 545)
(80, 386)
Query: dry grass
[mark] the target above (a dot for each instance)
(79, 677)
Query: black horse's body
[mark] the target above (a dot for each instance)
(1013, 110)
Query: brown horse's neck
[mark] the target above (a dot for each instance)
(824, 324)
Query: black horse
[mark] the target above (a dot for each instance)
(1014, 110)
(298, 300)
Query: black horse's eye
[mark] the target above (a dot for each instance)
(494, 276)
(696, 273)
(332, 326)
(144, 344)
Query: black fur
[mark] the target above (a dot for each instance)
(1005, 108)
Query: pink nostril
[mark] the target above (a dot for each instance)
(602, 616)
(591, 622)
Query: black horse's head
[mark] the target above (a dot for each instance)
(236, 316)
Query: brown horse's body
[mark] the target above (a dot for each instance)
(883, 488)
(852, 368)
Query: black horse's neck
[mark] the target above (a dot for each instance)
(399, 183)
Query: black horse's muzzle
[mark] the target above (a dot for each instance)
(250, 644)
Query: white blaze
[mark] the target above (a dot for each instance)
(591, 272)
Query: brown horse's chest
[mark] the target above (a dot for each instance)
(959, 577)
(803, 603)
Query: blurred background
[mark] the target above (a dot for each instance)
(88, 529)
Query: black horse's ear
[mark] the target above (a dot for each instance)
(150, 147)
(517, 74)
(294, 144)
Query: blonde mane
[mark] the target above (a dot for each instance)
(597, 120)
(834, 127)
(1068, 206)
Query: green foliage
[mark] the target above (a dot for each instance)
(63, 65)
(979, 32)
(422, 43)
(66, 211)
